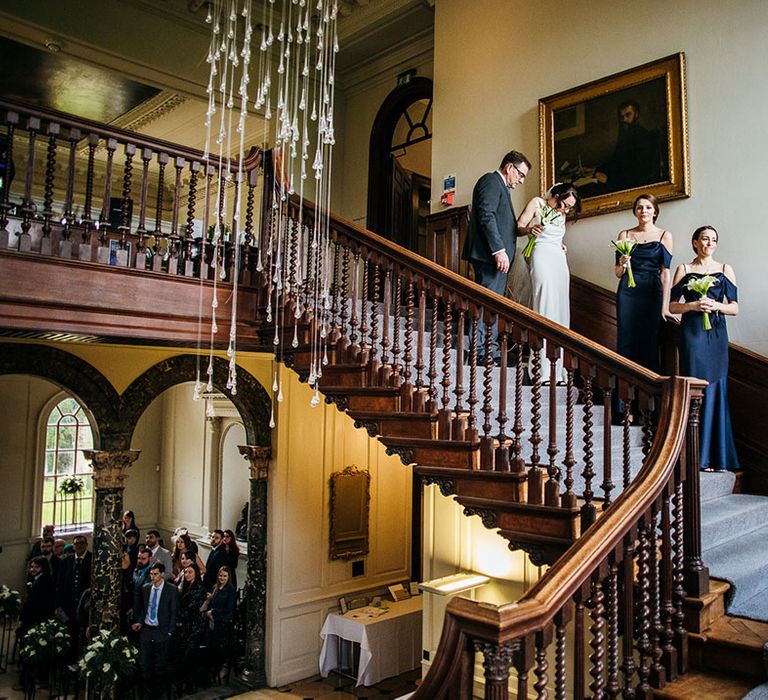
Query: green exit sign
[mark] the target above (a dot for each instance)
(406, 76)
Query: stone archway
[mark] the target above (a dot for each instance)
(68, 371)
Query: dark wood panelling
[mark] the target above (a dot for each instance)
(446, 231)
(593, 314)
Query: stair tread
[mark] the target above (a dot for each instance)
(698, 685)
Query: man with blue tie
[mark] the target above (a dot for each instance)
(155, 620)
(492, 233)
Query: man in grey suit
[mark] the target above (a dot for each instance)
(154, 617)
(159, 554)
(492, 233)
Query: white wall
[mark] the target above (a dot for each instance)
(304, 584)
(494, 59)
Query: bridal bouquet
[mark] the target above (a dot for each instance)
(547, 215)
(625, 247)
(701, 285)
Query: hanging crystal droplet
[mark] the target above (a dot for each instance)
(315, 400)
(272, 418)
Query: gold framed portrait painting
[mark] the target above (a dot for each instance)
(619, 136)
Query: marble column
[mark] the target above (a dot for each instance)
(254, 673)
(109, 482)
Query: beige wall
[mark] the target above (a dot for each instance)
(513, 52)
(359, 96)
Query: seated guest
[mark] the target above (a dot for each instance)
(38, 607)
(216, 559)
(159, 553)
(191, 624)
(155, 620)
(233, 554)
(184, 545)
(36, 551)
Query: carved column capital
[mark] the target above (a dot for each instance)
(109, 466)
(258, 459)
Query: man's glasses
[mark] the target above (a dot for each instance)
(521, 173)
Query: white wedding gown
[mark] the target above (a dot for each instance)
(550, 283)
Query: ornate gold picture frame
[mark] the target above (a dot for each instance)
(349, 507)
(619, 136)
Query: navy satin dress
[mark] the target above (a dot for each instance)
(704, 354)
(638, 310)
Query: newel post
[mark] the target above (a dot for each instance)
(497, 659)
(696, 574)
(254, 673)
(109, 483)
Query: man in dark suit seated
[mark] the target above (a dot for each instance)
(492, 233)
(216, 559)
(155, 619)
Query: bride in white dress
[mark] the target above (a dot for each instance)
(543, 219)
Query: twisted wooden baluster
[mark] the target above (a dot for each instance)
(597, 640)
(612, 585)
(644, 609)
(406, 389)
(68, 219)
(444, 414)
(626, 459)
(646, 421)
(353, 352)
(607, 485)
(335, 310)
(87, 220)
(397, 370)
(27, 203)
(681, 634)
(146, 156)
(501, 456)
(125, 220)
(517, 463)
(157, 260)
(552, 487)
(535, 473)
(343, 342)
(486, 441)
(459, 425)
(432, 372)
(541, 668)
(418, 397)
(560, 657)
(628, 617)
(189, 229)
(385, 371)
(175, 237)
(364, 351)
(588, 508)
(373, 361)
(658, 677)
(103, 254)
(568, 499)
(50, 179)
(669, 659)
(11, 119)
(578, 647)
(472, 433)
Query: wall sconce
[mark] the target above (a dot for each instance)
(456, 583)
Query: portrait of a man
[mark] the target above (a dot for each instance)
(613, 142)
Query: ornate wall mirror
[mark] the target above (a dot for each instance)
(350, 499)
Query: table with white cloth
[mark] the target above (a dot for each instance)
(390, 644)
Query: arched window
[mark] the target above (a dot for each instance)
(67, 474)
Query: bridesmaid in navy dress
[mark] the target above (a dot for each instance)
(640, 310)
(704, 353)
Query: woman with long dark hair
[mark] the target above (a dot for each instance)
(709, 293)
(233, 554)
(191, 624)
(220, 611)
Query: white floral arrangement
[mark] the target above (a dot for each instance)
(10, 602)
(109, 658)
(44, 642)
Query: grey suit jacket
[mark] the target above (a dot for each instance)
(492, 222)
(163, 556)
(166, 608)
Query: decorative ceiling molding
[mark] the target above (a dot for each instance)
(368, 15)
(149, 111)
(416, 48)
